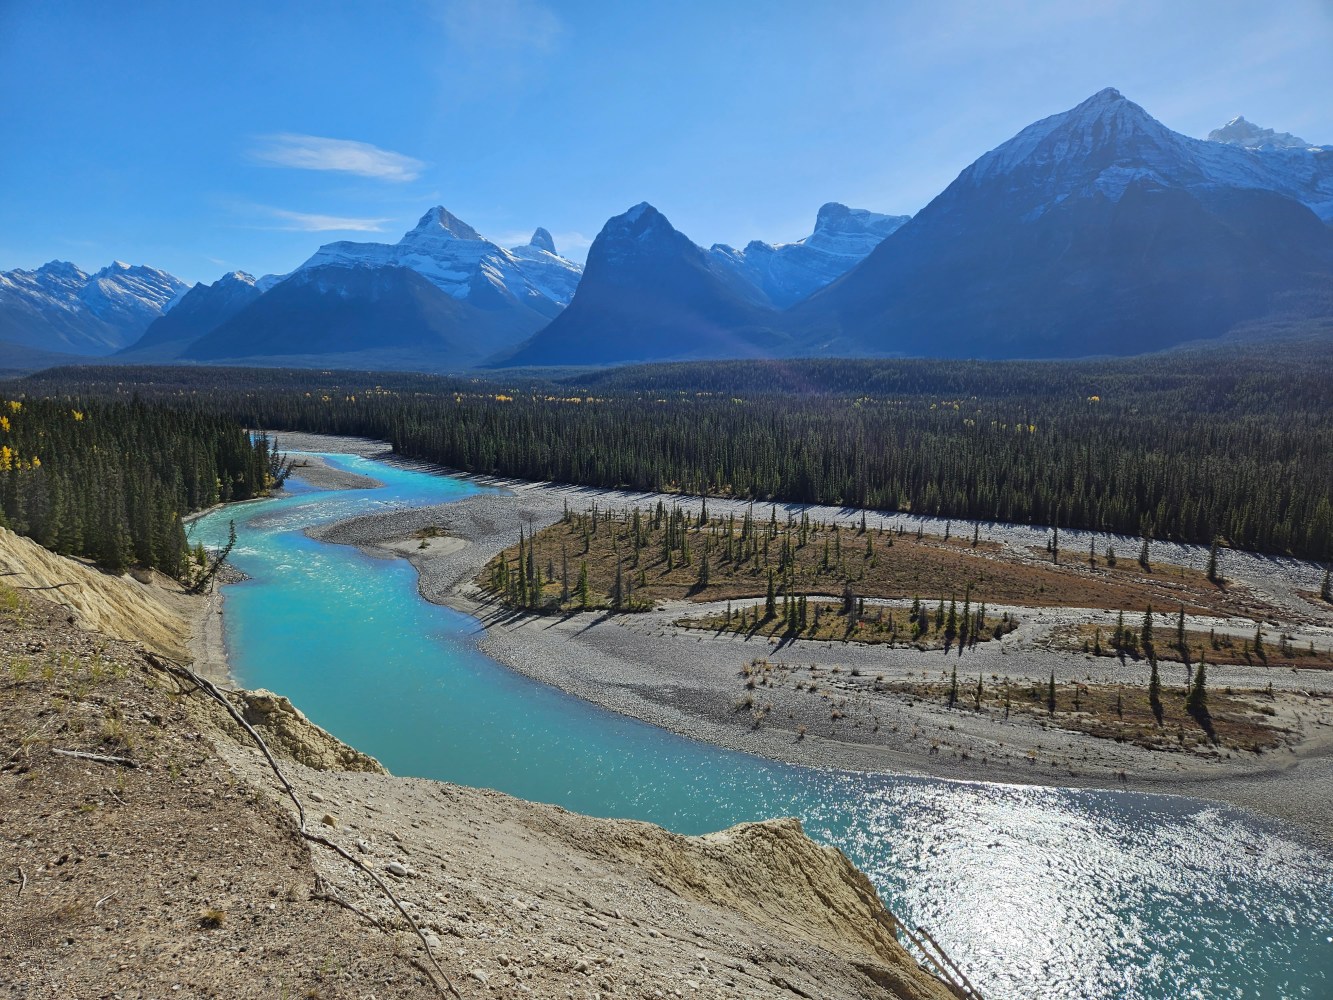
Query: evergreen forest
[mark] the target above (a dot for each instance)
(1227, 445)
(110, 480)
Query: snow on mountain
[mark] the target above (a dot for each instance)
(133, 292)
(1094, 231)
(788, 272)
(198, 311)
(461, 262)
(1239, 132)
(1108, 143)
(60, 307)
(550, 273)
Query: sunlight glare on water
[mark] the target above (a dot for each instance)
(1037, 892)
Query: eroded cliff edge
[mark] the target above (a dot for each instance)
(170, 861)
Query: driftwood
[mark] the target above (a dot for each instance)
(96, 757)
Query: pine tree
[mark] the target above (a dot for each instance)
(1326, 588)
(1197, 702)
(1050, 695)
(584, 595)
(1155, 691)
(953, 688)
(1213, 576)
(771, 599)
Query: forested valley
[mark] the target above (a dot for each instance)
(1221, 445)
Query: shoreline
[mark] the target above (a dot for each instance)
(207, 642)
(644, 667)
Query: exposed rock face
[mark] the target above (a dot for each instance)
(788, 272)
(286, 730)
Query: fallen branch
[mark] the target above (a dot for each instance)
(23, 881)
(331, 895)
(97, 757)
(209, 688)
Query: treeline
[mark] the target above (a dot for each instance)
(109, 480)
(1230, 446)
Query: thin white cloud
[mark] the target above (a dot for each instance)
(302, 222)
(490, 28)
(313, 152)
(571, 241)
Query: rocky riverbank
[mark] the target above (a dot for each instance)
(153, 850)
(689, 681)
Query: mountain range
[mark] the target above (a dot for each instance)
(1094, 231)
(60, 308)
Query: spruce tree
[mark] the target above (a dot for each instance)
(1213, 576)
(1155, 691)
(584, 595)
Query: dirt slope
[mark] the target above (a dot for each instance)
(117, 606)
(186, 875)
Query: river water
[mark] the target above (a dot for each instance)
(1036, 892)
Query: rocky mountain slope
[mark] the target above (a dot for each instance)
(649, 293)
(171, 862)
(61, 308)
(1239, 132)
(1094, 231)
(442, 296)
(199, 312)
(788, 272)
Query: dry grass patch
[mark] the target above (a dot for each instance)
(1242, 720)
(1276, 648)
(662, 554)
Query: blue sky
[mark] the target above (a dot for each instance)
(206, 137)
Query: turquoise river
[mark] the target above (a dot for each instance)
(1037, 892)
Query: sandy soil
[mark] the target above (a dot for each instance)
(167, 861)
(690, 682)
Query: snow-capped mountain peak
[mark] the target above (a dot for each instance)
(1108, 143)
(1239, 132)
(438, 222)
(541, 239)
(785, 273)
(461, 262)
(63, 308)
